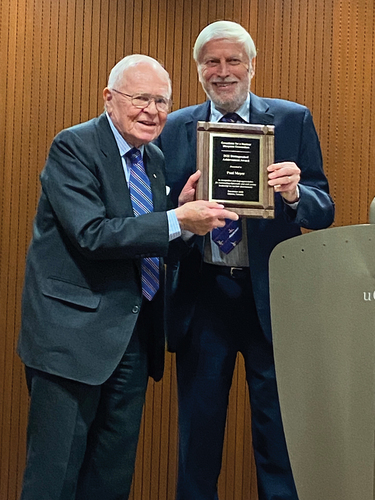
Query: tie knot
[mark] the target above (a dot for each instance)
(134, 155)
(231, 118)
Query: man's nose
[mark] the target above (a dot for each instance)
(223, 69)
(151, 107)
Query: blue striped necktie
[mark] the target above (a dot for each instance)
(141, 198)
(228, 236)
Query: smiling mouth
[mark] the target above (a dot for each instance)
(148, 124)
(223, 85)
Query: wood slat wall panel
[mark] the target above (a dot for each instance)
(352, 155)
(55, 57)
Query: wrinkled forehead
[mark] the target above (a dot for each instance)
(144, 77)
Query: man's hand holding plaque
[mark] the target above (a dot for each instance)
(284, 178)
(200, 216)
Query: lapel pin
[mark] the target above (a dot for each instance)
(154, 176)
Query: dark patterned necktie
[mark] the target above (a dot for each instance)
(228, 236)
(141, 198)
(232, 118)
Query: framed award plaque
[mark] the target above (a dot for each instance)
(233, 159)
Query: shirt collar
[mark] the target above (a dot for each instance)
(122, 145)
(242, 111)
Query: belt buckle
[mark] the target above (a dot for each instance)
(233, 270)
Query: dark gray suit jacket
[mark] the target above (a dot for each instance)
(82, 293)
(295, 140)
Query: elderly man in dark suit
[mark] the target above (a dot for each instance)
(219, 301)
(92, 310)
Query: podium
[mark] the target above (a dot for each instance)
(322, 293)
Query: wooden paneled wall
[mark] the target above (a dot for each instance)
(55, 56)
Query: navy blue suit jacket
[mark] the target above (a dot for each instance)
(82, 293)
(295, 140)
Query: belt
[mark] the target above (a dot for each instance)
(236, 273)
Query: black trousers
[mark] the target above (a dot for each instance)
(225, 323)
(82, 439)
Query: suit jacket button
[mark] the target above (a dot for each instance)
(135, 309)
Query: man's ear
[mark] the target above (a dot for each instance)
(107, 97)
(252, 67)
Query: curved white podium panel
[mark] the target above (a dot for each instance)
(322, 288)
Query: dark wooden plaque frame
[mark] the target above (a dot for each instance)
(233, 159)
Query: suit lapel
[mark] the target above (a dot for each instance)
(114, 172)
(200, 113)
(112, 165)
(259, 111)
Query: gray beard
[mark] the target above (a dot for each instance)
(227, 106)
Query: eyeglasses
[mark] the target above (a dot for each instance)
(141, 101)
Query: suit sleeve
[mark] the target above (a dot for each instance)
(76, 188)
(316, 208)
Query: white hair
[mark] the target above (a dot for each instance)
(228, 30)
(118, 70)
